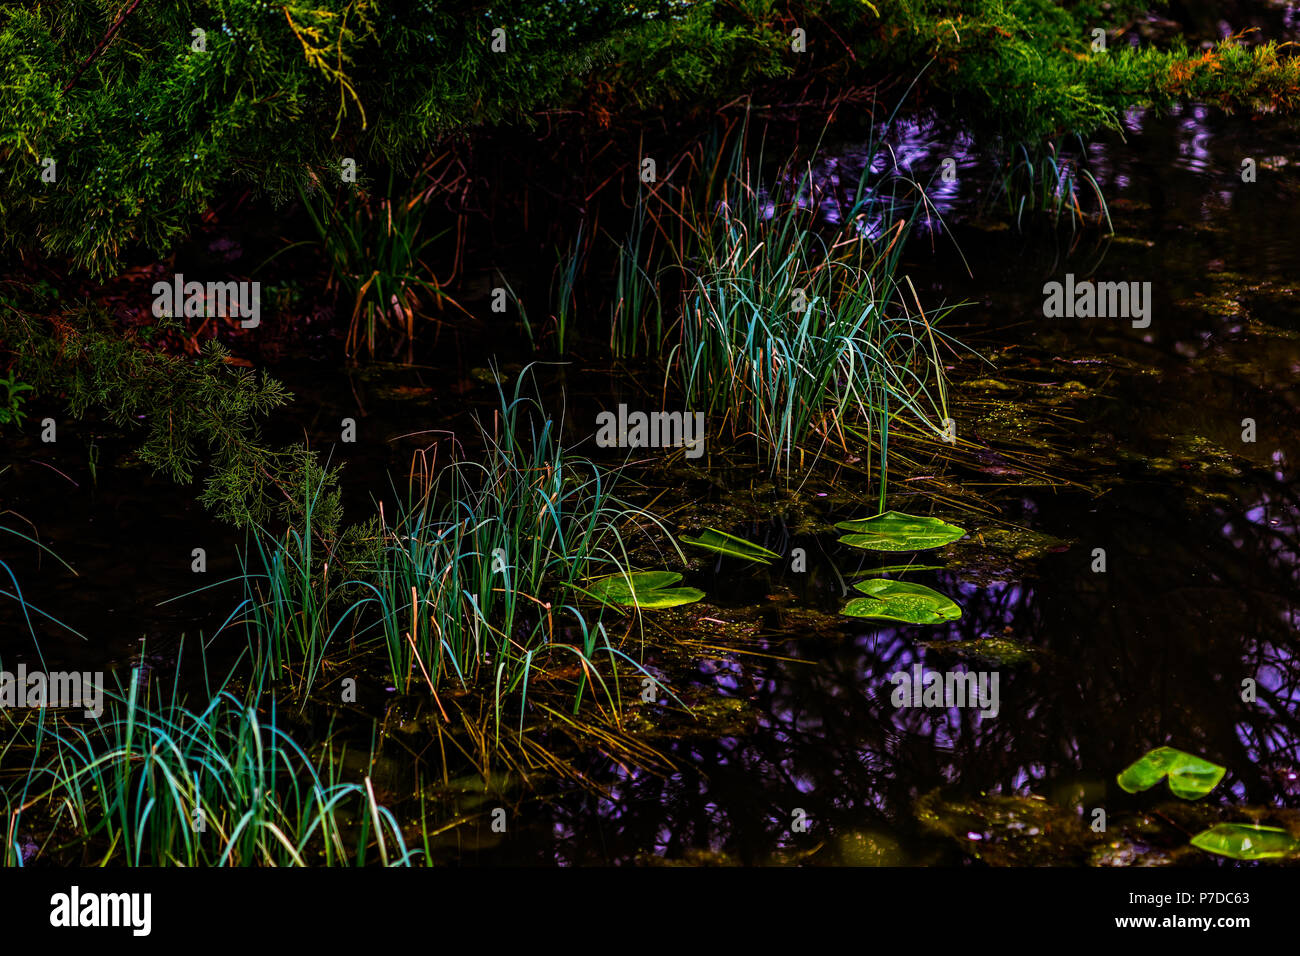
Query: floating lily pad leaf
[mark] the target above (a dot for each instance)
(894, 531)
(712, 540)
(644, 589)
(1244, 841)
(901, 601)
(1190, 777)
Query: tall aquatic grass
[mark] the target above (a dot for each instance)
(480, 574)
(475, 578)
(792, 330)
(11, 590)
(155, 782)
(563, 291)
(564, 298)
(786, 335)
(376, 249)
(1050, 183)
(636, 314)
(295, 594)
(291, 616)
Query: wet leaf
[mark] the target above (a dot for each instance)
(713, 540)
(643, 589)
(901, 601)
(1190, 777)
(897, 569)
(1244, 841)
(894, 531)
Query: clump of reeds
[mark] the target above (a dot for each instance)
(155, 782)
(480, 574)
(476, 576)
(789, 330)
(1048, 182)
(376, 248)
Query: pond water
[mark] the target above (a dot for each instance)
(1082, 434)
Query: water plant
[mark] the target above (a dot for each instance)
(790, 331)
(890, 600)
(903, 601)
(1245, 841)
(895, 531)
(710, 539)
(643, 589)
(157, 782)
(376, 247)
(1042, 179)
(11, 580)
(636, 313)
(289, 612)
(1190, 777)
(480, 573)
(563, 298)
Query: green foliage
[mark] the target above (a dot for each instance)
(200, 413)
(1190, 777)
(1045, 181)
(1027, 70)
(476, 576)
(895, 531)
(133, 787)
(901, 601)
(11, 405)
(1244, 841)
(789, 332)
(145, 131)
(10, 580)
(564, 303)
(642, 589)
(711, 539)
(376, 256)
(289, 607)
(636, 313)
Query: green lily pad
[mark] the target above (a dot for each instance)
(895, 531)
(643, 589)
(902, 601)
(713, 540)
(1244, 841)
(1190, 777)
